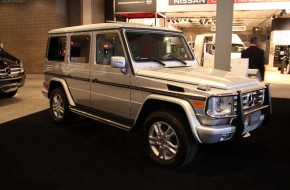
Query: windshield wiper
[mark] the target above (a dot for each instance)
(152, 59)
(175, 58)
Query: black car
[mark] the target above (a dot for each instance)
(12, 75)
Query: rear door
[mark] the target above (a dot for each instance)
(78, 67)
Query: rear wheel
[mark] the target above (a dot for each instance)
(59, 106)
(169, 140)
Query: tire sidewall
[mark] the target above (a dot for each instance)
(182, 135)
(60, 92)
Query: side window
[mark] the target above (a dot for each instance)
(108, 45)
(210, 48)
(56, 48)
(80, 48)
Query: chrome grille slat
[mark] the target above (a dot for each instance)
(257, 99)
(13, 71)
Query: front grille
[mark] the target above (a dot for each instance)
(10, 71)
(251, 99)
(15, 71)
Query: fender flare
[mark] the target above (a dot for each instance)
(185, 105)
(66, 90)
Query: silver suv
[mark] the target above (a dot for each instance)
(132, 76)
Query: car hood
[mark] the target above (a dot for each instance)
(7, 59)
(198, 75)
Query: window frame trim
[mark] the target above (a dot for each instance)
(109, 31)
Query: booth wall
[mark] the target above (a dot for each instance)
(25, 26)
(24, 29)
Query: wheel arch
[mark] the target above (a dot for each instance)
(55, 83)
(155, 102)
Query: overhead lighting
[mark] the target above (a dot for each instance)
(283, 12)
(201, 21)
(256, 29)
(206, 21)
(274, 16)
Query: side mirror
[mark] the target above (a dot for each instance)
(118, 62)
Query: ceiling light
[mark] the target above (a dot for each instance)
(256, 28)
(282, 12)
(274, 16)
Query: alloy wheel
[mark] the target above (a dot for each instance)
(163, 140)
(58, 106)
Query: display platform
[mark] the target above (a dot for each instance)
(35, 153)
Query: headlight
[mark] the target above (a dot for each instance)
(220, 106)
(21, 67)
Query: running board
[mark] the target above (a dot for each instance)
(100, 119)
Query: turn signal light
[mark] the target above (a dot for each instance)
(198, 104)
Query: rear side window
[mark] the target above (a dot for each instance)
(56, 48)
(80, 48)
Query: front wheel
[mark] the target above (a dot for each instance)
(59, 106)
(168, 139)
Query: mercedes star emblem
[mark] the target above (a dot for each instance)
(8, 71)
(250, 99)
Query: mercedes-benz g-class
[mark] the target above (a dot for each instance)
(143, 77)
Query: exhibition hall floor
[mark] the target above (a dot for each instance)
(35, 153)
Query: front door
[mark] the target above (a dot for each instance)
(110, 88)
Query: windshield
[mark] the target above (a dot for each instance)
(158, 46)
(237, 48)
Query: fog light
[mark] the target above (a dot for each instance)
(226, 136)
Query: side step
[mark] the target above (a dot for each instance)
(101, 119)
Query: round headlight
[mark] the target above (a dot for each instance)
(21, 67)
(220, 104)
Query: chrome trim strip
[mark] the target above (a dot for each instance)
(145, 89)
(97, 118)
(256, 109)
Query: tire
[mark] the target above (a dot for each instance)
(9, 94)
(169, 140)
(59, 106)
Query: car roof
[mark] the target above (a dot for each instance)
(106, 26)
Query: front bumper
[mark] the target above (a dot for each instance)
(214, 134)
(243, 123)
(12, 83)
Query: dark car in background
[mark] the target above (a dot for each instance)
(12, 75)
